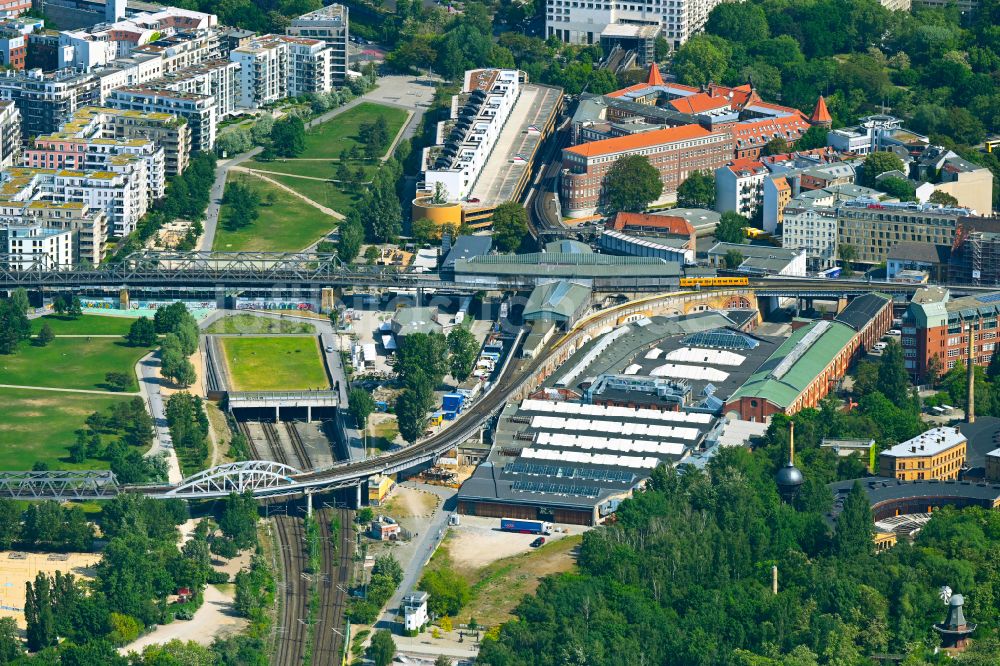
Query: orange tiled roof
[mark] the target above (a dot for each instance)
(767, 127)
(820, 114)
(620, 144)
(672, 224)
(782, 184)
(654, 75)
(699, 103)
(744, 164)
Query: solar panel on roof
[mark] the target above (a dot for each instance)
(720, 338)
(988, 298)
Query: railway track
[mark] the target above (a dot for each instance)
(274, 443)
(251, 445)
(295, 607)
(298, 446)
(329, 634)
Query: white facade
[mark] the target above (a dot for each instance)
(739, 187)
(123, 196)
(330, 25)
(263, 72)
(464, 142)
(273, 67)
(813, 229)
(415, 611)
(583, 22)
(39, 247)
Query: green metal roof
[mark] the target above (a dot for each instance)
(790, 369)
(563, 299)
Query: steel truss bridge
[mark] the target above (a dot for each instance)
(229, 269)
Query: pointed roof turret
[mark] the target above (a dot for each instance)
(821, 115)
(654, 75)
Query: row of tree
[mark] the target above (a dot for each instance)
(422, 362)
(188, 425)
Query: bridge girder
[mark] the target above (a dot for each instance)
(66, 485)
(256, 476)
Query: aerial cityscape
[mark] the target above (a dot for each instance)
(500, 333)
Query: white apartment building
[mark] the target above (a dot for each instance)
(217, 78)
(10, 134)
(122, 194)
(181, 35)
(263, 71)
(38, 247)
(465, 140)
(415, 611)
(310, 66)
(582, 22)
(26, 199)
(273, 67)
(813, 229)
(328, 24)
(739, 187)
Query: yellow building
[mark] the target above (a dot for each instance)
(938, 453)
(379, 488)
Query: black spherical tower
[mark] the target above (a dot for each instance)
(789, 478)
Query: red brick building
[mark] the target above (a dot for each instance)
(937, 325)
(811, 361)
(676, 152)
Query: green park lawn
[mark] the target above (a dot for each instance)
(85, 325)
(274, 364)
(326, 169)
(39, 425)
(289, 225)
(74, 363)
(341, 132)
(322, 192)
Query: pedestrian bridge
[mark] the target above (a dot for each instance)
(293, 403)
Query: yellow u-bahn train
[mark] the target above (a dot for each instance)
(715, 282)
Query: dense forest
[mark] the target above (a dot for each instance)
(683, 578)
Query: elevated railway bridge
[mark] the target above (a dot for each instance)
(271, 479)
(220, 273)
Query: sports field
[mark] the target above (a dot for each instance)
(14, 573)
(274, 364)
(39, 425)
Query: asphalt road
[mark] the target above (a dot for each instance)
(427, 543)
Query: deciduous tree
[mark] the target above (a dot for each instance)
(631, 185)
(510, 226)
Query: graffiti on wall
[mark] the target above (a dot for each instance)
(274, 305)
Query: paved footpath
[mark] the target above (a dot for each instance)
(383, 93)
(147, 370)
